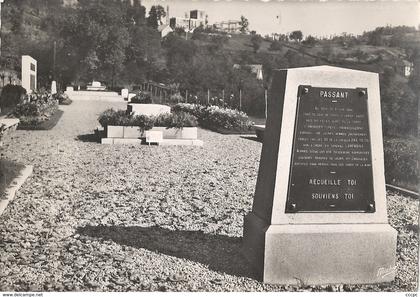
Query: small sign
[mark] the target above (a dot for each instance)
(331, 163)
(154, 136)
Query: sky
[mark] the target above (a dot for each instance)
(316, 17)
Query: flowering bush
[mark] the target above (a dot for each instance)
(215, 117)
(36, 104)
(62, 98)
(111, 117)
(142, 97)
(177, 120)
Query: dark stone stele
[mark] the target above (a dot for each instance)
(331, 163)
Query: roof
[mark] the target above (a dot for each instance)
(163, 27)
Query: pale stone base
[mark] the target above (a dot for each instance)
(181, 142)
(320, 254)
(164, 142)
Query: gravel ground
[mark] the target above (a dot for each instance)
(136, 218)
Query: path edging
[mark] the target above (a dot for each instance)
(403, 191)
(15, 186)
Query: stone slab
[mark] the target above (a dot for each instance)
(273, 177)
(15, 186)
(124, 93)
(188, 142)
(132, 132)
(115, 132)
(29, 71)
(127, 141)
(149, 109)
(173, 133)
(94, 96)
(321, 254)
(107, 140)
(153, 136)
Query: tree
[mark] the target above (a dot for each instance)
(310, 40)
(156, 14)
(276, 46)
(256, 41)
(96, 38)
(296, 35)
(244, 24)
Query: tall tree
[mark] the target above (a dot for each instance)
(244, 24)
(296, 35)
(256, 41)
(156, 14)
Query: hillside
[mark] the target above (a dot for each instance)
(360, 56)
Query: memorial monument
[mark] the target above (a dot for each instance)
(29, 73)
(319, 214)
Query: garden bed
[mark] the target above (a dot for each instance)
(37, 123)
(218, 119)
(135, 132)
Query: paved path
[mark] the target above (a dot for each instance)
(140, 218)
(81, 190)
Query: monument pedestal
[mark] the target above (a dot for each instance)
(320, 254)
(319, 213)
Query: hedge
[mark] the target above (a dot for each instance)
(401, 165)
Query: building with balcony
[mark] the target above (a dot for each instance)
(230, 26)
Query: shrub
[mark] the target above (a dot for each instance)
(62, 98)
(111, 117)
(214, 117)
(142, 121)
(177, 120)
(36, 104)
(11, 96)
(142, 98)
(401, 167)
(176, 98)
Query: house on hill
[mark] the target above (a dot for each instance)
(231, 26)
(257, 69)
(196, 19)
(404, 68)
(164, 30)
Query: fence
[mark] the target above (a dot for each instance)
(164, 94)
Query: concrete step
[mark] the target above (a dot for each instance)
(94, 95)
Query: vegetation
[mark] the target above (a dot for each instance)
(111, 117)
(244, 24)
(400, 165)
(142, 98)
(36, 108)
(11, 96)
(62, 98)
(216, 118)
(176, 120)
